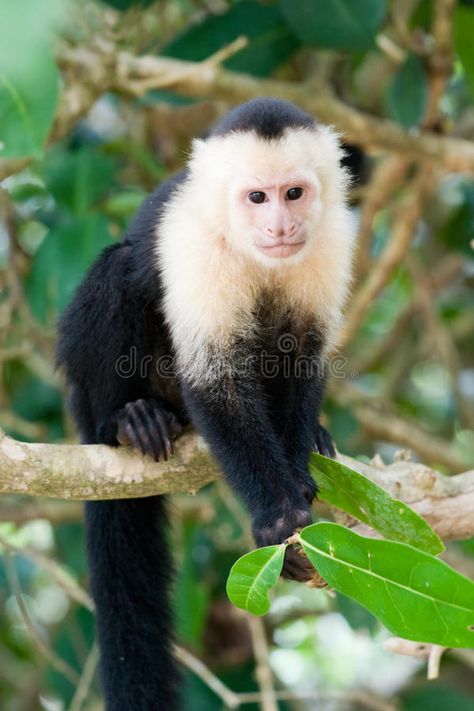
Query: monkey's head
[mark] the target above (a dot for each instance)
(268, 198)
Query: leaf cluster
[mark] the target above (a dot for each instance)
(400, 580)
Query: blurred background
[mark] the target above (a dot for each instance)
(98, 103)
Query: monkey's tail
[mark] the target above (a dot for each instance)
(131, 572)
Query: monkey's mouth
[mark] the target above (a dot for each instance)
(281, 250)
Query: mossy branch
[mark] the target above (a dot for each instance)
(83, 472)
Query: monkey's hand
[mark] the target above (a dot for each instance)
(275, 526)
(149, 427)
(323, 442)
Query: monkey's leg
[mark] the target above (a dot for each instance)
(233, 417)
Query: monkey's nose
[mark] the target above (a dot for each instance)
(280, 231)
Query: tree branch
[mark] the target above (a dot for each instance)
(201, 79)
(85, 472)
(99, 472)
(99, 68)
(446, 502)
(403, 231)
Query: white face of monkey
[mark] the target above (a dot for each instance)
(272, 216)
(254, 211)
(268, 197)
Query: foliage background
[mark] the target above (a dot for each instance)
(78, 152)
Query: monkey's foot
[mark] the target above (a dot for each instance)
(275, 527)
(149, 427)
(323, 443)
(297, 567)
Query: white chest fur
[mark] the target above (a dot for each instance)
(211, 287)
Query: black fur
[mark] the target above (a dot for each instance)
(131, 573)
(268, 117)
(261, 428)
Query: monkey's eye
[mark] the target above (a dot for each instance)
(257, 197)
(294, 193)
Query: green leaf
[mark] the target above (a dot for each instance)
(415, 595)
(60, 263)
(270, 40)
(252, 576)
(408, 93)
(29, 79)
(463, 32)
(358, 496)
(77, 179)
(336, 24)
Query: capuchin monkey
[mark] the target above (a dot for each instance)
(235, 272)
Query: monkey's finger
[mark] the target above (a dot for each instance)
(131, 436)
(174, 426)
(122, 435)
(163, 428)
(155, 423)
(297, 567)
(139, 425)
(324, 444)
(293, 571)
(147, 410)
(146, 445)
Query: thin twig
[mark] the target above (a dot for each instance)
(59, 664)
(440, 337)
(263, 671)
(447, 272)
(367, 700)
(87, 677)
(408, 215)
(432, 653)
(440, 59)
(229, 697)
(390, 48)
(22, 511)
(381, 423)
(386, 178)
(57, 572)
(107, 69)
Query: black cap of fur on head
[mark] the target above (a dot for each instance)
(268, 117)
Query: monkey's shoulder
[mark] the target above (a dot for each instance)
(143, 226)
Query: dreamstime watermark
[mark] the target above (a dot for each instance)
(285, 361)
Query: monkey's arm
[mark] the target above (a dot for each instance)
(303, 431)
(232, 416)
(105, 347)
(295, 399)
